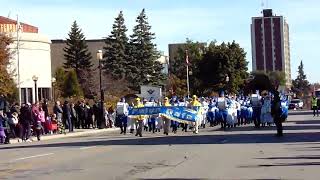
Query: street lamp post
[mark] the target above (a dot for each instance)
(99, 58)
(35, 79)
(53, 80)
(227, 81)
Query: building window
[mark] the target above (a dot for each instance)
(43, 93)
(29, 95)
(23, 95)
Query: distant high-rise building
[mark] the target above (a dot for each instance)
(270, 44)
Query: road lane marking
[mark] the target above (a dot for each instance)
(29, 157)
(89, 147)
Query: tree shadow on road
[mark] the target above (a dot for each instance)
(300, 113)
(300, 137)
(272, 128)
(292, 158)
(303, 164)
(311, 122)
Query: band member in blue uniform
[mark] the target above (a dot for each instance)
(151, 118)
(122, 115)
(256, 106)
(223, 113)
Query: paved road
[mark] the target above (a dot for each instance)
(240, 153)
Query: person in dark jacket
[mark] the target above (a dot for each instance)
(81, 111)
(74, 116)
(89, 116)
(57, 110)
(67, 116)
(97, 114)
(45, 108)
(26, 120)
(276, 113)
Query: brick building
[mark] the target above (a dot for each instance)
(270, 44)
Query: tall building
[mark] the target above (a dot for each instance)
(30, 61)
(270, 44)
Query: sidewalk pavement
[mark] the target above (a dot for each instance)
(76, 133)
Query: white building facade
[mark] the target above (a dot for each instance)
(30, 61)
(34, 62)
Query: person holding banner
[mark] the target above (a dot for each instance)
(140, 118)
(152, 118)
(182, 103)
(166, 121)
(196, 105)
(174, 124)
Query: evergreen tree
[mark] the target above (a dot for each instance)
(116, 50)
(71, 85)
(77, 55)
(60, 76)
(144, 69)
(301, 85)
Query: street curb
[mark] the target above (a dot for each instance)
(74, 134)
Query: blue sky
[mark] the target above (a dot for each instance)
(175, 20)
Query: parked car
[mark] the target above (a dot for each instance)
(296, 104)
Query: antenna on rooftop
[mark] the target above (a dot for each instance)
(9, 14)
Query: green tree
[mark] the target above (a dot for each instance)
(265, 80)
(178, 67)
(144, 69)
(77, 55)
(71, 86)
(301, 85)
(7, 85)
(116, 50)
(222, 61)
(177, 86)
(60, 76)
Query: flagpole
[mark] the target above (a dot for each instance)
(18, 58)
(188, 86)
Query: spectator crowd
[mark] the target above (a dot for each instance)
(35, 120)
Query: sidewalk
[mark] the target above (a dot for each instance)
(76, 133)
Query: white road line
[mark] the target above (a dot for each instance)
(29, 157)
(89, 147)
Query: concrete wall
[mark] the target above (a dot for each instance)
(57, 53)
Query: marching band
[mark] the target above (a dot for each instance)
(229, 111)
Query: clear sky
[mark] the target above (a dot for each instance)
(175, 20)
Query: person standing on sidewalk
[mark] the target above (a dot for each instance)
(314, 104)
(67, 116)
(74, 116)
(36, 116)
(26, 119)
(57, 110)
